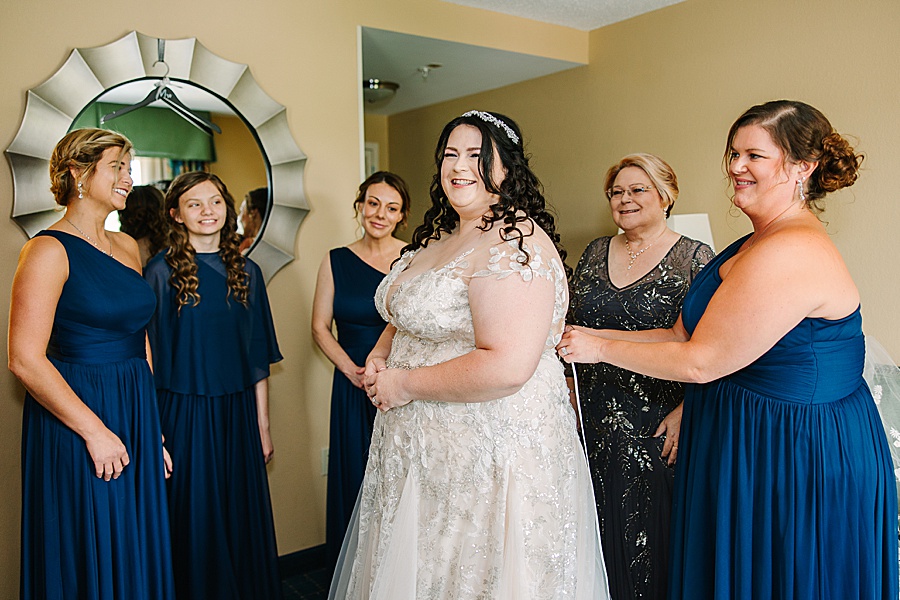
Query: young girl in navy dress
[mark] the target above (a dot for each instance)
(213, 340)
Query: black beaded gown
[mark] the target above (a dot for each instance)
(621, 411)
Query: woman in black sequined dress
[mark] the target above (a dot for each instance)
(634, 281)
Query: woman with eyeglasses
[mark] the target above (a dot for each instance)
(634, 281)
(785, 487)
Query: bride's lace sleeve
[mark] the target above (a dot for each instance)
(534, 263)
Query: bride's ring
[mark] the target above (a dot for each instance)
(564, 351)
(375, 400)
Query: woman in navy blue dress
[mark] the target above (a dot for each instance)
(93, 476)
(213, 340)
(345, 291)
(784, 486)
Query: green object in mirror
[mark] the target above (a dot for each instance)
(53, 106)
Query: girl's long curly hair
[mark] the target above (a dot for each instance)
(521, 195)
(181, 254)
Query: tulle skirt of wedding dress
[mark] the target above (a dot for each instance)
(445, 520)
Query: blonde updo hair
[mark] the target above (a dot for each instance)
(803, 134)
(80, 150)
(662, 176)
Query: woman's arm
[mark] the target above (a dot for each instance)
(511, 319)
(262, 417)
(768, 290)
(676, 334)
(322, 319)
(37, 286)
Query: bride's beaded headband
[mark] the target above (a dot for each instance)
(489, 118)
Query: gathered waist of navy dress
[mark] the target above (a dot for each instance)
(818, 373)
(356, 335)
(92, 352)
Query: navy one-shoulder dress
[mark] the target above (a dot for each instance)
(83, 537)
(784, 486)
(207, 360)
(358, 328)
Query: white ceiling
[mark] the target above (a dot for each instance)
(585, 15)
(468, 69)
(464, 70)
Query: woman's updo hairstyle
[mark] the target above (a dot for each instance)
(80, 150)
(804, 135)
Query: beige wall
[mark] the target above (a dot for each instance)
(671, 82)
(376, 132)
(239, 162)
(288, 44)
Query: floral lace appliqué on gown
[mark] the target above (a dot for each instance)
(479, 500)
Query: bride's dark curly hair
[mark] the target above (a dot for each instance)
(181, 254)
(521, 195)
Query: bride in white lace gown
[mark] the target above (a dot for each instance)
(476, 485)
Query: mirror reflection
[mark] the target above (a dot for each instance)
(167, 144)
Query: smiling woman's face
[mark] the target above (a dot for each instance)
(381, 210)
(640, 205)
(460, 176)
(758, 170)
(111, 180)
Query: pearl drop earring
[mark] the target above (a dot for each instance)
(800, 189)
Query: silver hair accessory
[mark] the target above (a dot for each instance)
(800, 187)
(489, 118)
(80, 190)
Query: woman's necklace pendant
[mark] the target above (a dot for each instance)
(90, 239)
(633, 255)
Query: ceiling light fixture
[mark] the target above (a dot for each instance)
(426, 70)
(377, 90)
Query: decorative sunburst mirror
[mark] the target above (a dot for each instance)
(88, 73)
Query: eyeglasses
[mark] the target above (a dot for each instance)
(635, 191)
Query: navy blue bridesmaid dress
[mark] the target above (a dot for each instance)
(207, 360)
(784, 486)
(358, 328)
(83, 537)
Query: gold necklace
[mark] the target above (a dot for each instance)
(90, 239)
(634, 255)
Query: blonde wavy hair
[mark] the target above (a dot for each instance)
(181, 254)
(81, 150)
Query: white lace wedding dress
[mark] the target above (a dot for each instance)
(488, 500)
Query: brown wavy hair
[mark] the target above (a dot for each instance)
(143, 217)
(81, 150)
(181, 254)
(803, 134)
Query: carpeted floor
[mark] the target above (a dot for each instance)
(311, 585)
(304, 575)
